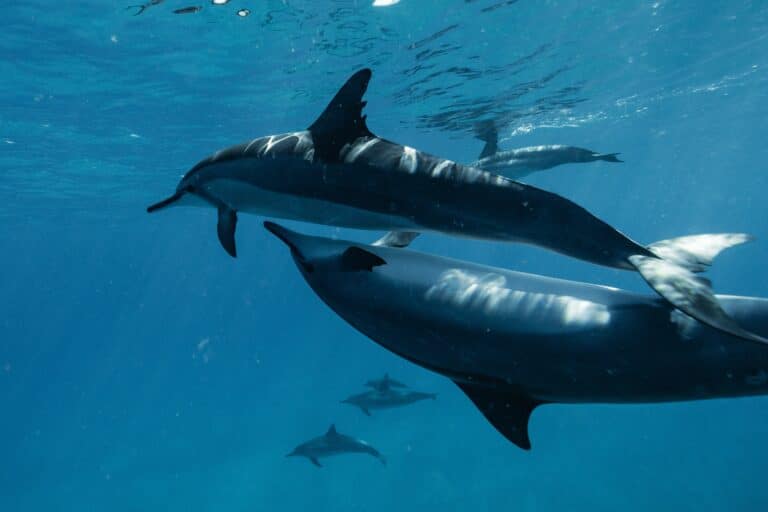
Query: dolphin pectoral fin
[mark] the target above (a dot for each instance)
(508, 412)
(342, 121)
(314, 461)
(165, 202)
(355, 259)
(365, 411)
(225, 228)
(689, 293)
(397, 239)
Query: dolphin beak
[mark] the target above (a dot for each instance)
(284, 234)
(290, 238)
(166, 202)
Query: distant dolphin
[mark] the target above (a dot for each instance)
(384, 383)
(386, 398)
(519, 163)
(338, 173)
(513, 341)
(332, 443)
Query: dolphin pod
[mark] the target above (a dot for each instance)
(337, 172)
(514, 341)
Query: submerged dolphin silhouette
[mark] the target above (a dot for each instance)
(385, 397)
(521, 162)
(339, 173)
(333, 443)
(513, 341)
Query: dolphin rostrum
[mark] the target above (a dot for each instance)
(339, 173)
(385, 397)
(519, 163)
(384, 383)
(513, 341)
(333, 443)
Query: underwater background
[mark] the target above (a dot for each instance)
(141, 368)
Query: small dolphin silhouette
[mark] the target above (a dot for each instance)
(333, 443)
(386, 398)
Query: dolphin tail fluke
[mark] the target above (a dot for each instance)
(697, 252)
(508, 412)
(672, 274)
(609, 157)
(168, 201)
(225, 228)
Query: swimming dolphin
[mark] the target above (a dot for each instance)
(519, 163)
(332, 443)
(385, 382)
(513, 341)
(339, 173)
(386, 398)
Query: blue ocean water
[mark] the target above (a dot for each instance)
(141, 368)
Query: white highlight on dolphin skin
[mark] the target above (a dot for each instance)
(385, 3)
(439, 168)
(243, 12)
(408, 160)
(490, 294)
(358, 149)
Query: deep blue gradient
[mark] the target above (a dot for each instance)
(141, 368)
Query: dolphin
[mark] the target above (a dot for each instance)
(513, 341)
(521, 162)
(339, 173)
(384, 383)
(333, 443)
(386, 398)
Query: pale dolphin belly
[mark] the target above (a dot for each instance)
(252, 199)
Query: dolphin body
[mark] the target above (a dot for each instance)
(333, 443)
(385, 382)
(339, 173)
(513, 341)
(521, 162)
(386, 398)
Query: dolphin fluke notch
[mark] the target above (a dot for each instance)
(672, 275)
(342, 121)
(609, 157)
(508, 412)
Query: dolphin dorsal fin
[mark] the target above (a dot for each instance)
(507, 411)
(486, 131)
(355, 259)
(342, 121)
(331, 431)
